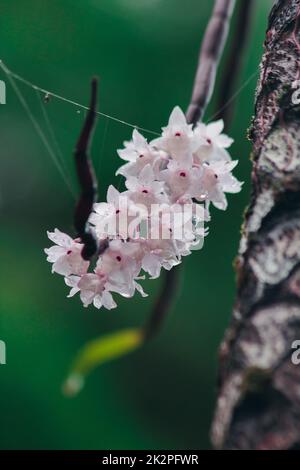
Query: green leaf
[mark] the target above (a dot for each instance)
(99, 351)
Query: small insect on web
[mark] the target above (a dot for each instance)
(56, 158)
(50, 94)
(51, 144)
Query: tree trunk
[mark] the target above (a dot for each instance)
(258, 403)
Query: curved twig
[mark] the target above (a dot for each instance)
(87, 180)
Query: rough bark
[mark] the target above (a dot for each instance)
(258, 404)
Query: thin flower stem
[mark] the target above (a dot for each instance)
(234, 61)
(162, 304)
(209, 59)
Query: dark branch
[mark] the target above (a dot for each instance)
(234, 62)
(87, 180)
(209, 58)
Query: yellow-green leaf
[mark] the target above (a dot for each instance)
(99, 351)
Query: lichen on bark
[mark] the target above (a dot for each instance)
(258, 404)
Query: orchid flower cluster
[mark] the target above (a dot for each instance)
(170, 184)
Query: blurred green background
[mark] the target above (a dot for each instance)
(145, 52)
